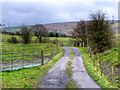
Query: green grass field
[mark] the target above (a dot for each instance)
(4, 37)
(110, 56)
(62, 40)
(116, 24)
(13, 29)
(24, 51)
(28, 78)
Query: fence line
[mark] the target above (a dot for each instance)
(112, 72)
(72, 43)
(17, 61)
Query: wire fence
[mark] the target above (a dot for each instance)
(110, 71)
(15, 61)
(66, 43)
(107, 69)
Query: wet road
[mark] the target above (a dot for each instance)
(57, 77)
(80, 75)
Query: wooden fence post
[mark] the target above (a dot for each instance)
(42, 55)
(80, 44)
(12, 62)
(112, 71)
(52, 53)
(94, 60)
(101, 67)
(83, 44)
(33, 57)
(97, 63)
(23, 59)
(72, 44)
(57, 49)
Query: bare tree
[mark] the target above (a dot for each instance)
(40, 31)
(80, 33)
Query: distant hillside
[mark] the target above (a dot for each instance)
(12, 29)
(62, 27)
(67, 27)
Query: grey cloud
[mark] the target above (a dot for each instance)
(37, 12)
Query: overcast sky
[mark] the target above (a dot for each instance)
(50, 11)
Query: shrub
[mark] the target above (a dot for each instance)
(26, 34)
(45, 40)
(18, 33)
(99, 31)
(12, 40)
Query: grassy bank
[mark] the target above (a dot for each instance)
(28, 78)
(103, 81)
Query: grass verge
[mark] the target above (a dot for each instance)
(69, 69)
(72, 54)
(102, 81)
(28, 78)
(71, 84)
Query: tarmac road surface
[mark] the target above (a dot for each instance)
(57, 77)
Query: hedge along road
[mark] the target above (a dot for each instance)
(58, 78)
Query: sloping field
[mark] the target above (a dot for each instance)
(62, 27)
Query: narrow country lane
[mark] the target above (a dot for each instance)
(57, 77)
(80, 75)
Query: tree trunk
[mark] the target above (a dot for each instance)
(40, 39)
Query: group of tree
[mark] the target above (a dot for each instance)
(80, 33)
(7, 32)
(95, 33)
(38, 30)
(27, 32)
(55, 34)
